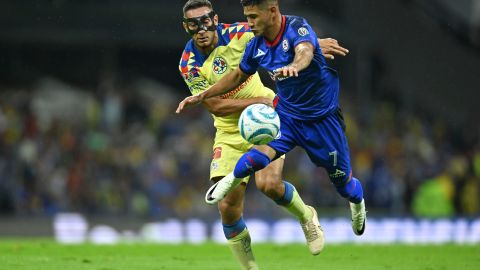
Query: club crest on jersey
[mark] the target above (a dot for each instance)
(219, 65)
(302, 31)
(285, 45)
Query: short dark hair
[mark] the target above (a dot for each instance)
(193, 4)
(255, 2)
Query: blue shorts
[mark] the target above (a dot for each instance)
(324, 141)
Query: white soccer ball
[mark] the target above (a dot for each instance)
(259, 124)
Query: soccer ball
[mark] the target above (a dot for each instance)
(259, 124)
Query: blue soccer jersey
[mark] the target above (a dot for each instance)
(314, 93)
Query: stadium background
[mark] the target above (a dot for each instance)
(87, 124)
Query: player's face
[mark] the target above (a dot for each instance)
(259, 18)
(202, 36)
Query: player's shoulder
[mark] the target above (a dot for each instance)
(188, 65)
(295, 22)
(235, 31)
(234, 27)
(188, 50)
(297, 26)
(187, 58)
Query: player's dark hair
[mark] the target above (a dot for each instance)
(193, 4)
(255, 2)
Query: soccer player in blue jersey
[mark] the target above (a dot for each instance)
(306, 101)
(214, 50)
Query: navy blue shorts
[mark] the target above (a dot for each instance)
(324, 141)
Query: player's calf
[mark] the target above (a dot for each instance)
(353, 191)
(239, 242)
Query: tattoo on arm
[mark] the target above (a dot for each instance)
(303, 55)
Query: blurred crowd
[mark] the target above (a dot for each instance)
(121, 150)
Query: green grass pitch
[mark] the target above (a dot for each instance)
(46, 254)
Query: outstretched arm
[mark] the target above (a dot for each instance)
(303, 58)
(331, 48)
(225, 106)
(224, 85)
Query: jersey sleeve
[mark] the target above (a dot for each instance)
(196, 83)
(190, 73)
(248, 64)
(244, 33)
(303, 32)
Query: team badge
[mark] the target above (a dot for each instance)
(285, 45)
(302, 31)
(219, 65)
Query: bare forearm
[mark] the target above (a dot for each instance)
(226, 84)
(303, 56)
(223, 107)
(229, 82)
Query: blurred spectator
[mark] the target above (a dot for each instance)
(434, 198)
(120, 150)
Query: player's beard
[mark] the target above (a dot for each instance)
(205, 40)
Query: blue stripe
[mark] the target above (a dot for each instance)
(234, 229)
(287, 196)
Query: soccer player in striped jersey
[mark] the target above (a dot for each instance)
(215, 50)
(307, 103)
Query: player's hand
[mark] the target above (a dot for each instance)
(330, 48)
(285, 72)
(188, 101)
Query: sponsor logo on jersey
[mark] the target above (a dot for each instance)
(259, 53)
(302, 31)
(219, 65)
(285, 45)
(198, 85)
(238, 89)
(272, 76)
(191, 75)
(217, 153)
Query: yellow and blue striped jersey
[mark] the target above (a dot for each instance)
(201, 71)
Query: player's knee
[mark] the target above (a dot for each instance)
(233, 200)
(230, 210)
(229, 206)
(270, 184)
